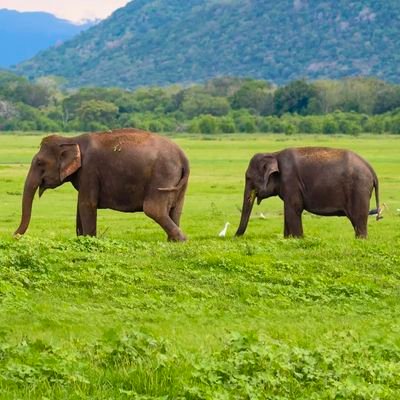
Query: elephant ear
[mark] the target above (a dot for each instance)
(70, 160)
(270, 167)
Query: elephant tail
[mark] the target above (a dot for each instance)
(378, 210)
(183, 181)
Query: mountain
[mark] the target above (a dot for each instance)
(160, 42)
(23, 34)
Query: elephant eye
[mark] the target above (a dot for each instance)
(39, 163)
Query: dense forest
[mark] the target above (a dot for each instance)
(163, 42)
(221, 105)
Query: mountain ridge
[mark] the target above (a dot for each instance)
(162, 42)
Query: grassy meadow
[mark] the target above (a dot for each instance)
(130, 316)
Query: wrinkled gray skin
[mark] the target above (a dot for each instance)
(323, 181)
(125, 170)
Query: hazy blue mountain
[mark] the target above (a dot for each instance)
(159, 42)
(23, 34)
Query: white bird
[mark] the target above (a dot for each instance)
(223, 232)
(262, 216)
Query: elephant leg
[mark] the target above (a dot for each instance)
(358, 214)
(160, 215)
(79, 229)
(360, 223)
(87, 206)
(293, 223)
(361, 229)
(359, 220)
(87, 210)
(176, 211)
(285, 229)
(88, 215)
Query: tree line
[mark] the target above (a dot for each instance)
(221, 105)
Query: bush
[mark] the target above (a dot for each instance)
(264, 125)
(309, 125)
(374, 125)
(247, 125)
(48, 125)
(277, 126)
(137, 121)
(156, 126)
(245, 121)
(329, 126)
(96, 127)
(394, 124)
(199, 103)
(97, 112)
(290, 129)
(226, 125)
(208, 124)
(349, 127)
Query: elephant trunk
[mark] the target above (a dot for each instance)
(248, 201)
(32, 183)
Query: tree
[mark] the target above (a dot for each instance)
(363, 95)
(309, 125)
(207, 124)
(224, 86)
(295, 98)
(201, 103)
(7, 110)
(226, 125)
(30, 94)
(254, 95)
(387, 99)
(329, 126)
(151, 99)
(94, 113)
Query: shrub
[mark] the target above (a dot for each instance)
(247, 125)
(309, 125)
(226, 125)
(155, 126)
(277, 125)
(290, 129)
(329, 126)
(208, 124)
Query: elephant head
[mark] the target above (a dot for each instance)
(262, 181)
(57, 159)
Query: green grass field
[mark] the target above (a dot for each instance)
(131, 316)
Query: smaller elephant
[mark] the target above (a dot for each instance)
(126, 170)
(324, 181)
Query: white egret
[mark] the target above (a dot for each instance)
(223, 232)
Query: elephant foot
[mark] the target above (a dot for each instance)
(361, 236)
(177, 238)
(293, 236)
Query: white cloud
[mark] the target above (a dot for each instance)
(74, 10)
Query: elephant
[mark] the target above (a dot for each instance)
(321, 180)
(127, 170)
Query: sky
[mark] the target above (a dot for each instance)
(73, 10)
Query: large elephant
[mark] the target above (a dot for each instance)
(323, 181)
(126, 170)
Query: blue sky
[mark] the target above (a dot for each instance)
(73, 10)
